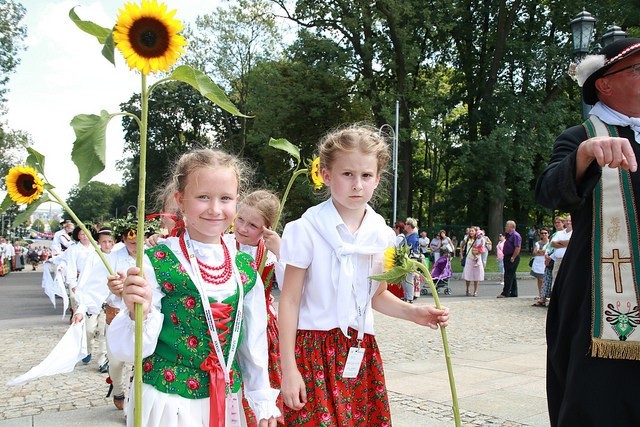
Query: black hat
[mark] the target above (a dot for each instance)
(592, 67)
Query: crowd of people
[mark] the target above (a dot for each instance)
(18, 255)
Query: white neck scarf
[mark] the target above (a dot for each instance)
(614, 118)
(369, 241)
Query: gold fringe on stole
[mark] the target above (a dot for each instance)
(608, 349)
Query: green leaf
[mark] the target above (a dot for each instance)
(284, 145)
(24, 216)
(89, 27)
(207, 88)
(108, 48)
(6, 203)
(395, 275)
(35, 160)
(104, 35)
(89, 148)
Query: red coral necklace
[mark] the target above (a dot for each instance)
(215, 275)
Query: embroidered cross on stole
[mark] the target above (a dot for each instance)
(616, 261)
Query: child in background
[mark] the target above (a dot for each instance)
(257, 214)
(89, 302)
(192, 374)
(331, 365)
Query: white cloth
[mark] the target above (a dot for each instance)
(92, 290)
(252, 352)
(562, 235)
(334, 258)
(615, 118)
(61, 240)
(63, 358)
(538, 265)
(76, 257)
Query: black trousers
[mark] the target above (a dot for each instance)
(510, 288)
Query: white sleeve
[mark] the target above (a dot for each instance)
(296, 245)
(253, 355)
(121, 331)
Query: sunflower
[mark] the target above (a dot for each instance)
(147, 35)
(314, 174)
(24, 185)
(389, 258)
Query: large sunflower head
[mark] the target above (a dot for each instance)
(314, 174)
(147, 35)
(24, 185)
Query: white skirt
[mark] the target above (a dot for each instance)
(171, 410)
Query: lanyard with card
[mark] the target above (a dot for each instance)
(356, 354)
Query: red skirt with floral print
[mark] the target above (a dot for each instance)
(331, 399)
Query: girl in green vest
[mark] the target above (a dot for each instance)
(204, 309)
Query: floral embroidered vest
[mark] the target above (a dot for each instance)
(184, 341)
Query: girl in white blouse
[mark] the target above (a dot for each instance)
(331, 365)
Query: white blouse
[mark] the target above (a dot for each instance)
(304, 247)
(252, 352)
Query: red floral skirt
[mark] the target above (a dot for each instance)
(275, 373)
(331, 399)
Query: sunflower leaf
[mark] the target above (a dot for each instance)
(6, 203)
(395, 275)
(100, 33)
(284, 145)
(207, 88)
(108, 49)
(89, 148)
(35, 160)
(24, 216)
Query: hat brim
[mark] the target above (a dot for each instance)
(589, 91)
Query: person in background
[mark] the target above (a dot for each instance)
(511, 249)
(500, 256)
(538, 266)
(423, 242)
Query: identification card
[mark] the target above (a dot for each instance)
(354, 361)
(233, 410)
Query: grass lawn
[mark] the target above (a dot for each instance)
(492, 264)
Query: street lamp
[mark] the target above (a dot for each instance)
(613, 34)
(582, 31)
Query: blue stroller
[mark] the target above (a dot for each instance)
(440, 273)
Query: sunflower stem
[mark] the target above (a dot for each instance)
(426, 276)
(137, 373)
(66, 207)
(282, 202)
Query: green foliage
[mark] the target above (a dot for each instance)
(94, 202)
(12, 145)
(179, 120)
(90, 146)
(38, 225)
(12, 33)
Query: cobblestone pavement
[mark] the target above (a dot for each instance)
(477, 325)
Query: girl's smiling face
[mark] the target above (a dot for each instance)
(248, 226)
(209, 202)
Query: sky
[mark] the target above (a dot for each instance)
(62, 73)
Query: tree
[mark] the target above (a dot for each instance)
(94, 202)
(11, 149)
(179, 120)
(227, 45)
(38, 225)
(12, 33)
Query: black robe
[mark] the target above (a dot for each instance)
(582, 390)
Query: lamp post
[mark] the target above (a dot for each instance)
(582, 32)
(394, 161)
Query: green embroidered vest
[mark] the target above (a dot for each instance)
(184, 341)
